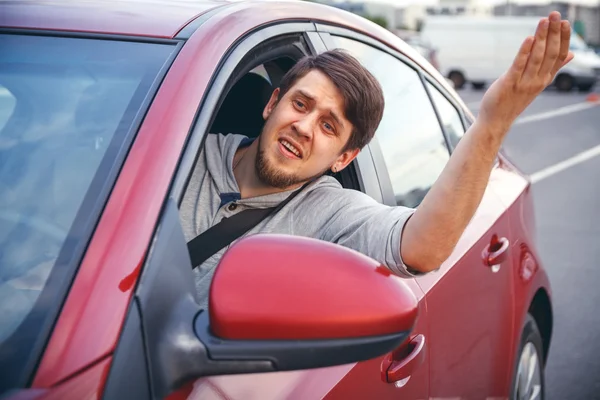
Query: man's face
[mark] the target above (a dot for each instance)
(304, 133)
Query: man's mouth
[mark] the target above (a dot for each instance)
(289, 149)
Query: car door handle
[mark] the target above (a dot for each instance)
(398, 366)
(496, 253)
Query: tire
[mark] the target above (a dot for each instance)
(529, 357)
(585, 87)
(457, 78)
(564, 83)
(478, 85)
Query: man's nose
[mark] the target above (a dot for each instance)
(305, 126)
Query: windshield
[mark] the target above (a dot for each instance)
(66, 104)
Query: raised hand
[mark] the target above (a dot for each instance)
(533, 69)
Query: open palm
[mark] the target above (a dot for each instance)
(534, 68)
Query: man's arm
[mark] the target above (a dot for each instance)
(432, 232)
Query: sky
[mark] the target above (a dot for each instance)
(400, 2)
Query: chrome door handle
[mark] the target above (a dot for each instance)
(496, 253)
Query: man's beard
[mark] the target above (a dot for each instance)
(271, 176)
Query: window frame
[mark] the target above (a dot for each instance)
(234, 65)
(361, 171)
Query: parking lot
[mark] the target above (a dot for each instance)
(557, 141)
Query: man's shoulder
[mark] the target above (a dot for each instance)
(327, 188)
(222, 141)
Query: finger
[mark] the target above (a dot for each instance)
(518, 67)
(565, 40)
(539, 49)
(553, 44)
(570, 57)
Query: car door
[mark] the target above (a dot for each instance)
(470, 298)
(469, 303)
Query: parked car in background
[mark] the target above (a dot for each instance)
(477, 50)
(104, 108)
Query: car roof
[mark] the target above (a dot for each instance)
(154, 18)
(167, 18)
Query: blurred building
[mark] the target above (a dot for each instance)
(396, 16)
(409, 14)
(585, 18)
(460, 7)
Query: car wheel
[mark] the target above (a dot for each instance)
(528, 379)
(457, 78)
(478, 85)
(564, 83)
(585, 88)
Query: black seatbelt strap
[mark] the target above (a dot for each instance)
(209, 242)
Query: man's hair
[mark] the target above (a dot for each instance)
(362, 94)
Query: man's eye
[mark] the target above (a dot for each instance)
(328, 127)
(299, 104)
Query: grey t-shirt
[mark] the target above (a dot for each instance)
(322, 210)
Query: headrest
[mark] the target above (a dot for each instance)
(241, 112)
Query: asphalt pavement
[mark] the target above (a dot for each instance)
(557, 142)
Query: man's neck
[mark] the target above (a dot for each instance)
(244, 170)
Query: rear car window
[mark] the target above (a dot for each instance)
(411, 138)
(66, 105)
(449, 115)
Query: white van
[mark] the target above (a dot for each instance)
(479, 49)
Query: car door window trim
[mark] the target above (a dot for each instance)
(89, 35)
(213, 95)
(459, 109)
(221, 81)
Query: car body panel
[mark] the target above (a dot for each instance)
(529, 278)
(470, 311)
(107, 17)
(88, 384)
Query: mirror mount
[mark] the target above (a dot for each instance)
(287, 355)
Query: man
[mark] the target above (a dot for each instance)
(326, 109)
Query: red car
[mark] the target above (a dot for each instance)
(104, 106)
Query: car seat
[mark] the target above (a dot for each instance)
(241, 112)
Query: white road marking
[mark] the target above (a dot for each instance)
(568, 163)
(557, 112)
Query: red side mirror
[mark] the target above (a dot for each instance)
(275, 287)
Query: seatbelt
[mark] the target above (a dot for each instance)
(209, 242)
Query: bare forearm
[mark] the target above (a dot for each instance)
(432, 232)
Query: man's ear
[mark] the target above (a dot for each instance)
(271, 104)
(344, 159)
